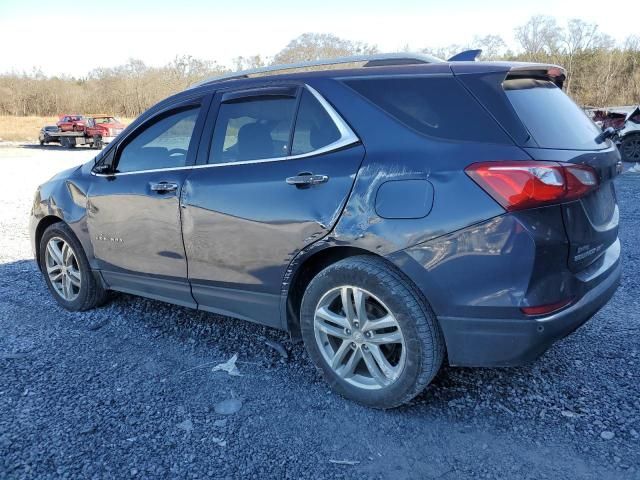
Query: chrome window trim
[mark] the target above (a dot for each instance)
(347, 137)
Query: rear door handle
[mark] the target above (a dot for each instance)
(307, 179)
(164, 187)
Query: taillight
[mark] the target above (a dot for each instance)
(519, 185)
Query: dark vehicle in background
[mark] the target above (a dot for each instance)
(71, 123)
(47, 134)
(389, 214)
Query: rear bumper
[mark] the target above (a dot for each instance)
(505, 342)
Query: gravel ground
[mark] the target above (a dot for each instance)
(128, 390)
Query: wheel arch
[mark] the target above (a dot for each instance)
(306, 266)
(42, 225)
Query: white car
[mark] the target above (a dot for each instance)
(629, 136)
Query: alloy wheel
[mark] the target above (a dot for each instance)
(63, 269)
(359, 337)
(631, 149)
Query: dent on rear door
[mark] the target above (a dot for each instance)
(242, 225)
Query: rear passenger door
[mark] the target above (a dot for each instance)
(276, 165)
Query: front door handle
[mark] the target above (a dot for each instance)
(164, 187)
(307, 179)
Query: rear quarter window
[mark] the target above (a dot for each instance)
(435, 106)
(551, 117)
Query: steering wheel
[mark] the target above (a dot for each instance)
(177, 151)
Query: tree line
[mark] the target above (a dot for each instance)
(600, 71)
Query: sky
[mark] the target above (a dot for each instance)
(76, 39)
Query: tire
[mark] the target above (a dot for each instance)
(413, 357)
(66, 143)
(97, 142)
(88, 293)
(630, 147)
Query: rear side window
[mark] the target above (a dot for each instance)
(253, 129)
(434, 106)
(551, 117)
(314, 127)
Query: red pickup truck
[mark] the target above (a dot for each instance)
(102, 129)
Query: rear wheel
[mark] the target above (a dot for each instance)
(630, 148)
(66, 142)
(66, 270)
(97, 142)
(370, 333)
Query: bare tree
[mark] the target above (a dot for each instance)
(539, 37)
(599, 71)
(493, 46)
(317, 46)
(246, 63)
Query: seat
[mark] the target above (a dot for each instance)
(254, 142)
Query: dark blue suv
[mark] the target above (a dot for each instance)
(390, 214)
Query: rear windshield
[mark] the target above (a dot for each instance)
(551, 117)
(434, 106)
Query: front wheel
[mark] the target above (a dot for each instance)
(370, 333)
(66, 270)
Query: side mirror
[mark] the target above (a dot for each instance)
(102, 168)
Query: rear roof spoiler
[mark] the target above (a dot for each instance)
(546, 71)
(552, 72)
(466, 56)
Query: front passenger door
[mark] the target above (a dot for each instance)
(134, 213)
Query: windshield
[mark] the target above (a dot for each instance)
(99, 120)
(551, 117)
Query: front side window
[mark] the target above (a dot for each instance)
(99, 120)
(252, 129)
(163, 144)
(314, 127)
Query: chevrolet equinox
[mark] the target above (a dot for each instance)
(390, 213)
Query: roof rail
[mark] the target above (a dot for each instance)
(377, 60)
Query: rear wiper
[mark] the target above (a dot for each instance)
(606, 133)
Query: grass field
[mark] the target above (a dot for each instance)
(19, 129)
(23, 128)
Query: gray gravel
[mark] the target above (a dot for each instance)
(128, 390)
